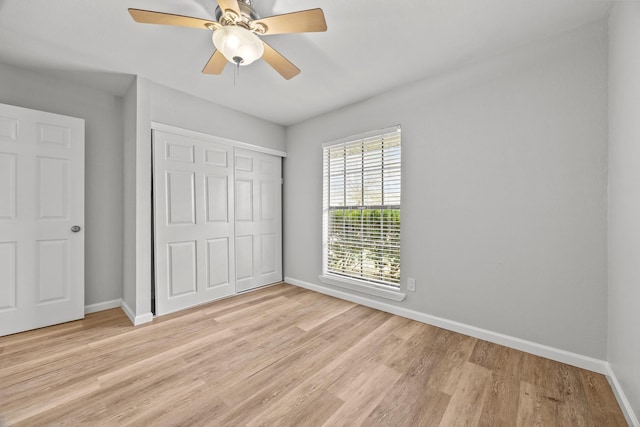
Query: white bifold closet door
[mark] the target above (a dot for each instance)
(193, 209)
(258, 234)
(217, 218)
(41, 219)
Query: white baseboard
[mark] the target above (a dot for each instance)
(143, 318)
(101, 306)
(127, 310)
(136, 320)
(627, 410)
(563, 356)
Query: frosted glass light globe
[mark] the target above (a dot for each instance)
(237, 44)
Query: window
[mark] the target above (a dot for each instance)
(361, 209)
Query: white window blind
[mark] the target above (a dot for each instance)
(361, 209)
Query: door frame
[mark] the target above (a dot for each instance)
(220, 140)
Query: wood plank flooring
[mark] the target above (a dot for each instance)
(285, 356)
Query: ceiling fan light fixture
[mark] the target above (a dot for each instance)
(237, 44)
(235, 33)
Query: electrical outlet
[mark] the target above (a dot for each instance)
(411, 284)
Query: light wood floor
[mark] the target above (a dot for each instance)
(286, 356)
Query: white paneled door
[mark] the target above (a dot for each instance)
(193, 214)
(258, 220)
(41, 219)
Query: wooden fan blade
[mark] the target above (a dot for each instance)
(230, 5)
(305, 21)
(216, 63)
(279, 62)
(151, 17)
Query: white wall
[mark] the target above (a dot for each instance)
(172, 107)
(504, 191)
(624, 199)
(137, 253)
(103, 167)
(129, 209)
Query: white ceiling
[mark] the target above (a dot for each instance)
(371, 46)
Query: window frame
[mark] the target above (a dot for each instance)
(362, 285)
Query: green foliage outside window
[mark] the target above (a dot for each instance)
(365, 243)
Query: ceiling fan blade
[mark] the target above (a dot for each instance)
(216, 63)
(305, 21)
(279, 63)
(151, 17)
(230, 5)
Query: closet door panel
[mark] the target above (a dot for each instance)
(194, 230)
(258, 219)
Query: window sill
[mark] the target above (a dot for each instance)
(362, 288)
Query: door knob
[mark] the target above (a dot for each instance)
(75, 228)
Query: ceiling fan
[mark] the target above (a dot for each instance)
(236, 31)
